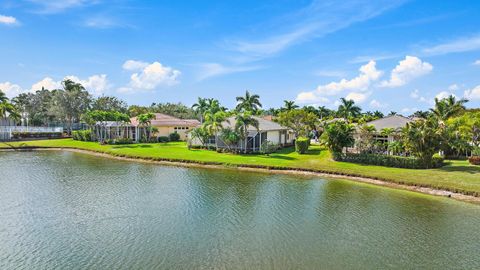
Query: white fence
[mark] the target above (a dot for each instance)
(6, 131)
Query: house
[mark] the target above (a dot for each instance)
(167, 125)
(267, 131)
(111, 130)
(395, 122)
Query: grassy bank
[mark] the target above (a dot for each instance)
(457, 176)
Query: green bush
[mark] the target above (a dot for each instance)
(163, 139)
(25, 135)
(476, 151)
(390, 161)
(174, 137)
(82, 135)
(268, 147)
(301, 145)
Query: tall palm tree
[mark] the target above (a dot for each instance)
(200, 107)
(145, 120)
(243, 121)
(448, 107)
(214, 123)
(323, 112)
(3, 97)
(7, 109)
(248, 103)
(348, 109)
(289, 105)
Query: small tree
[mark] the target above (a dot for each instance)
(298, 120)
(230, 137)
(338, 135)
(365, 142)
(202, 134)
(144, 120)
(243, 121)
(422, 139)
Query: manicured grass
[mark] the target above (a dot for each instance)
(458, 176)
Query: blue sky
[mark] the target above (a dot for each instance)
(385, 54)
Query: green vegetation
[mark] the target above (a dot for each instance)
(301, 145)
(457, 176)
(392, 161)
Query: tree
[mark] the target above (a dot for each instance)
(214, 123)
(178, 110)
(230, 137)
(392, 113)
(248, 103)
(7, 109)
(289, 105)
(338, 135)
(378, 114)
(365, 142)
(298, 120)
(324, 112)
(421, 114)
(202, 134)
(200, 107)
(448, 107)
(109, 103)
(145, 120)
(71, 102)
(348, 109)
(243, 121)
(135, 110)
(421, 138)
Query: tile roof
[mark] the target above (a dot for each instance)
(164, 120)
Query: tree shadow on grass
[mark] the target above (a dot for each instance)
(466, 169)
(313, 152)
(132, 146)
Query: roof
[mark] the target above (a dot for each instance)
(165, 120)
(113, 124)
(263, 124)
(393, 121)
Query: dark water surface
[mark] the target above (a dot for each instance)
(61, 210)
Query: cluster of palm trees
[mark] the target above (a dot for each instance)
(7, 109)
(213, 116)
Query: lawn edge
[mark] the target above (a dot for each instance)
(457, 194)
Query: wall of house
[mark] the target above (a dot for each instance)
(182, 131)
(274, 137)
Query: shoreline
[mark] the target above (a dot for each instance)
(264, 169)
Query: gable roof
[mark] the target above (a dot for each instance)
(263, 124)
(165, 120)
(393, 121)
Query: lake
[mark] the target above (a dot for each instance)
(64, 210)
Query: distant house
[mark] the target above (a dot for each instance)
(167, 124)
(267, 131)
(395, 122)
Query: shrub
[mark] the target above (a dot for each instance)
(82, 135)
(22, 135)
(124, 141)
(476, 151)
(390, 161)
(163, 139)
(174, 137)
(268, 147)
(474, 160)
(301, 145)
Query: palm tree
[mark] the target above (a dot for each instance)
(3, 97)
(289, 105)
(144, 120)
(7, 109)
(323, 112)
(448, 107)
(200, 107)
(214, 123)
(348, 109)
(243, 121)
(248, 103)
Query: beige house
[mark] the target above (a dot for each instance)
(167, 125)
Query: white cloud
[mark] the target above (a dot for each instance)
(47, 83)
(149, 76)
(8, 20)
(453, 87)
(11, 90)
(134, 65)
(357, 96)
(316, 20)
(310, 97)
(444, 94)
(409, 110)
(208, 70)
(96, 84)
(330, 73)
(102, 22)
(473, 94)
(377, 104)
(361, 83)
(56, 6)
(477, 63)
(460, 45)
(416, 95)
(406, 70)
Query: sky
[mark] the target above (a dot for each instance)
(387, 55)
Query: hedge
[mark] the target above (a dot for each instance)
(23, 135)
(174, 137)
(301, 145)
(390, 161)
(82, 135)
(163, 139)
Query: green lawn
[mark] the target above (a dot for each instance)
(457, 176)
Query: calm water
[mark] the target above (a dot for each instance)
(62, 210)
